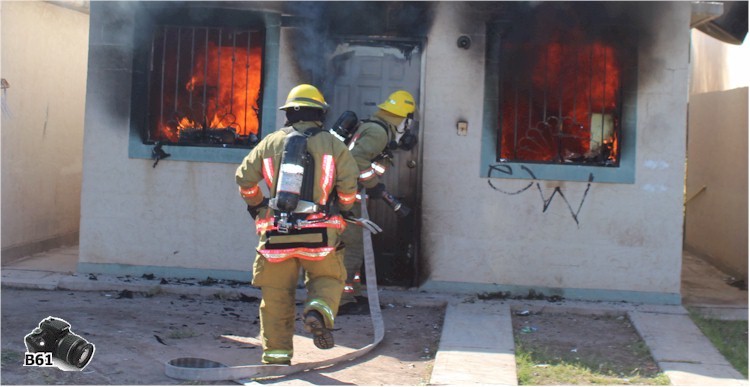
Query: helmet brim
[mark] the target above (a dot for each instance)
(305, 102)
(392, 110)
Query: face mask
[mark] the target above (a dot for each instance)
(406, 140)
(400, 131)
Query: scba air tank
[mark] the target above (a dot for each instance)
(292, 172)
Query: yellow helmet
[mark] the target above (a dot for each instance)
(305, 96)
(400, 103)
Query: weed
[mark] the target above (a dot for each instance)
(729, 338)
(570, 349)
(538, 368)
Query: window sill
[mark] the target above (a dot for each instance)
(139, 150)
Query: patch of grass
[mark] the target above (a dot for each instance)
(539, 369)
(729, 337)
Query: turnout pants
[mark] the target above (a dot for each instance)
(278, 282)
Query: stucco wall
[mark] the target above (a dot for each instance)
(181, 218)
(716, 221)
(137, 218)
(628, 242)
(186, 218)
(716, 212)
(44, 51)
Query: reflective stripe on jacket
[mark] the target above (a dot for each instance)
(367, 143)
(335, 168)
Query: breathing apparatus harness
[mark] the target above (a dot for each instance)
(345, 127)
(294, 186)
(348, 123)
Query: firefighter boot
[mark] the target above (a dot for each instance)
(314, 323)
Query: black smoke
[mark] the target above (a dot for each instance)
(315, 28)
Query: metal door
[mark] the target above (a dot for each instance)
(364, 75)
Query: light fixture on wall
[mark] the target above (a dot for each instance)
(462, 128)
(464, 42)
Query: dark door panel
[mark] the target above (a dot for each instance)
(364, 76)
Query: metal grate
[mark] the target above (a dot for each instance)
(204, 86)
(560, 104)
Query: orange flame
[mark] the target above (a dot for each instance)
(549, 117)
(222, 91)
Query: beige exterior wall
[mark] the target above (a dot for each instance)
(629, 241)
(181, 218)
(186, 217)
(716, 212)
(44, 59)
(716, 217)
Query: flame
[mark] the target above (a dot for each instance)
(226, 77)
(551, 111)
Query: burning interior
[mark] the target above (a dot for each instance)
(204, 86)
(561, 95)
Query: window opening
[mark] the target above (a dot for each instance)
(204, 86)
(561, 101)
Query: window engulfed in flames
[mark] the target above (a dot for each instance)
(204, 86)
(561, 102)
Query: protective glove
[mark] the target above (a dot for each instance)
(254, 210)
(361, 222)
(376, 192)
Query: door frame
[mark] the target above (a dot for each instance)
(421, 43)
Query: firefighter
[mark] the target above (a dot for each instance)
(370, 145)
(306, 170)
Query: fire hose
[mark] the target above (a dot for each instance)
(190, 368)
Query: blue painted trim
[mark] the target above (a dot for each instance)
(567, 293)
(163, 271)
(271, 73)
(138, 150)
(490, 167)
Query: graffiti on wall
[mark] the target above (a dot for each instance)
(507, 171)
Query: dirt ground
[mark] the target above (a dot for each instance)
(135, 333)
(605, 343)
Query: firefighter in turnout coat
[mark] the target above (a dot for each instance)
(368, 146)
(302, 236)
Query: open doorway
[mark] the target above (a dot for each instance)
(364, 73)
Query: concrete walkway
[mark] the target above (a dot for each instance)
(476, 346)
(477, 343)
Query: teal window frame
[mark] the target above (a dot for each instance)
(490, 167)
(270, 22)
